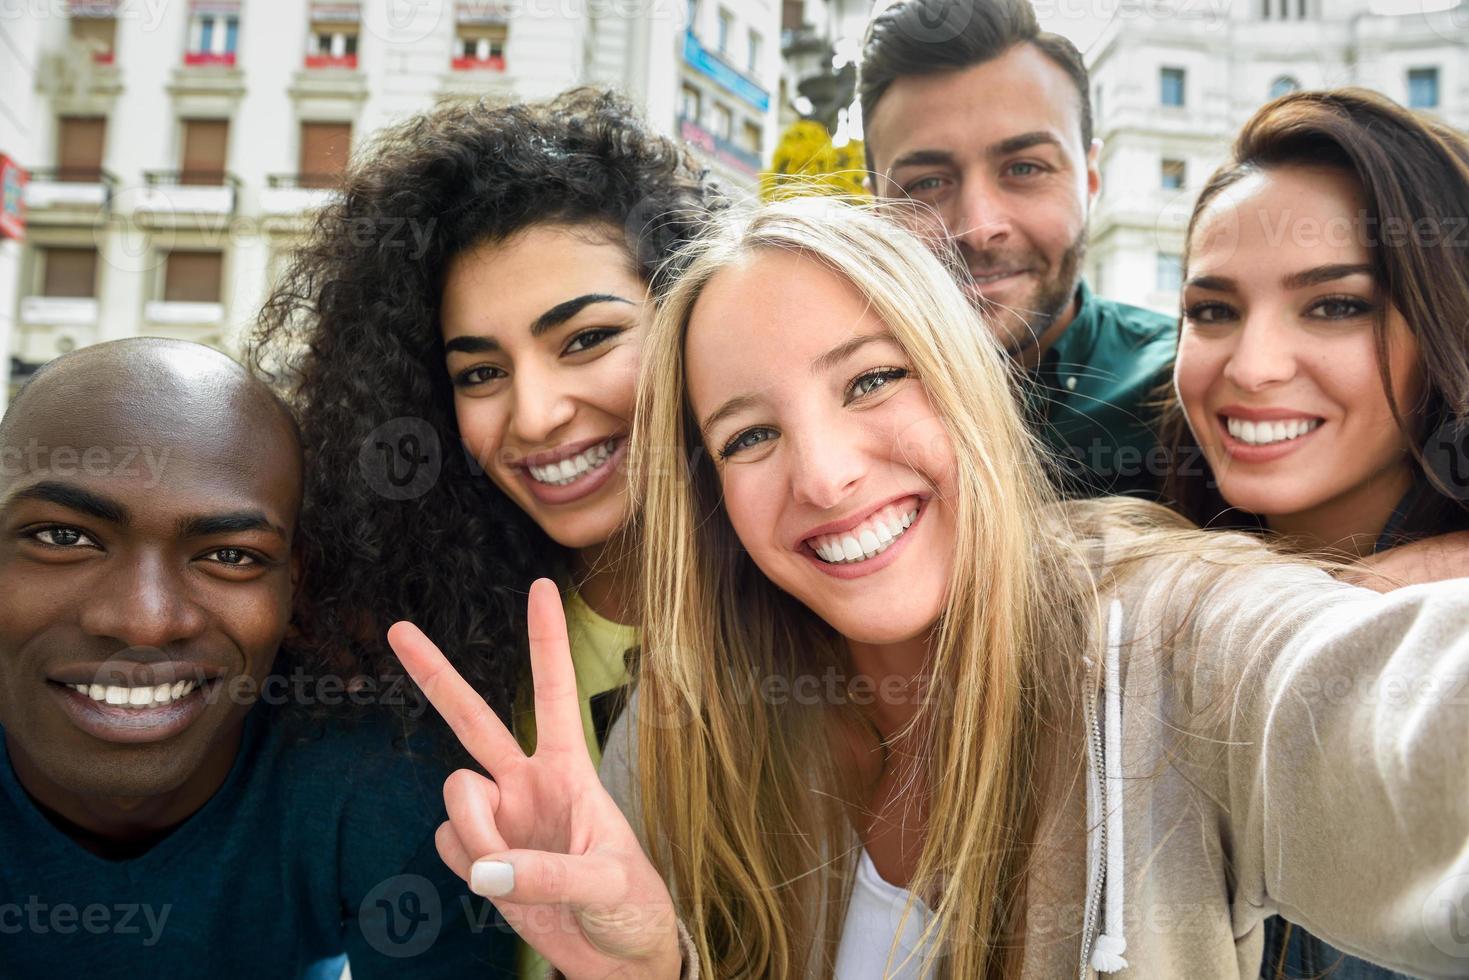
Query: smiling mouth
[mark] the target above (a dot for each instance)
(993, 277)
(1269, 433)
(137, 698)
(567, 471)
(869, 539)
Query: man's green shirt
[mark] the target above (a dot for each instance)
(1094, 397)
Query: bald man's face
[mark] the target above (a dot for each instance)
(145, 576)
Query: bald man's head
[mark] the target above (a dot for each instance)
(149, 492)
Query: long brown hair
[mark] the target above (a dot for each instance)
(1413, 174)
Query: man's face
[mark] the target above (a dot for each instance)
(993, 155)
(145, 582)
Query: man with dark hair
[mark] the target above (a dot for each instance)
(171, 803)
(983, 122)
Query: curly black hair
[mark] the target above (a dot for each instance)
(399, 521)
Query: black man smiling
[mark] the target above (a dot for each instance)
(154, 811)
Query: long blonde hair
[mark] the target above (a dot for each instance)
(744, 799)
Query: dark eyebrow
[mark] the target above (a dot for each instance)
(923, 158)
(471, 345)
(204, 525)
(844, 350)
(1219, 284)
(1024, 141)
(1325, 273)
(74, 498)
(562, 312)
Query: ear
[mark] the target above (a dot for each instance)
(1093, 172)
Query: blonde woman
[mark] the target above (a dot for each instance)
(902, 714)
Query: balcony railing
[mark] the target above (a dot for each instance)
(188, 192)
(199, 59)
(58, 311)
(730, 153)
(298, 193)
(495, 62)
(70, 187)
(344, 61)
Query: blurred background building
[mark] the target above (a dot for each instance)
(160, 158)
(1172, 85)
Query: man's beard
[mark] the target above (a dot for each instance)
(1051, 299)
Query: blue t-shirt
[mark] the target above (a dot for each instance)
(311, 851)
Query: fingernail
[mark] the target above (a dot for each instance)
(491, 879)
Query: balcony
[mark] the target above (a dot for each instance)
(340, 62)
(495, 62)
(58, 311)
(209, 59)
(297, 194)
(182, 192)
(173, 313)
(83, 191)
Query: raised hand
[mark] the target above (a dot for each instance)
(544, 841)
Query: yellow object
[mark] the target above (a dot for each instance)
(805, 162)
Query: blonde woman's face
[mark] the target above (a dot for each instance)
(837, 473)
(1277, 363)
(542, 336)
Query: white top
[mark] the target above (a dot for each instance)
(872, 921)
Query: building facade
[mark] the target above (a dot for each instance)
(1173, 84)
(175, 151)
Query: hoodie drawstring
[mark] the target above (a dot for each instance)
(1111, 944)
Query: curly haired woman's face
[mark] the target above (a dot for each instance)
(542, 335)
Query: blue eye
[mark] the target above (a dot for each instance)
(865, 384)
(744, 440)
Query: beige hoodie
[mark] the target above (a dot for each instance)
(1300, 746)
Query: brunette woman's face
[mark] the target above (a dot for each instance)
(1277, 363)
(837, 474)
(542, 336)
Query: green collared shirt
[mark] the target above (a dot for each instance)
(1094, 398)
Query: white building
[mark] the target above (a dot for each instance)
(176, 149)
(1174, 80)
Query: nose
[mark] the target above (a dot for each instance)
(541, 406)
(1263, 354)
(143, 602)
(980, 217)
(827, 463)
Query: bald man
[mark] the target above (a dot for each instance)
(158, 810)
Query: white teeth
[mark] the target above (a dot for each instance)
(135, 697)
(1266, 433)
(564, 471)
(869, 539)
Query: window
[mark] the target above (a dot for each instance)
(1423, 88)
(97, 34)
(332, 46)
(324, 148)
(693, 14)
(792, 15)
(192, 277)
(1170, 82)
(691, 104)
(726, 26)
(751, 136)
(480, 46)
(69, 272)
(1284, 85)
(206, 148)
(1175, 175)
(214, 36)
(752, 62)
(1170, 272)
(79, 144)
(723, 121)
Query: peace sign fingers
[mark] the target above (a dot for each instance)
(558, 709)
(478, 728)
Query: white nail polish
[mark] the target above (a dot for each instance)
(491, 879)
